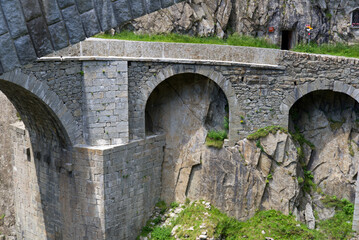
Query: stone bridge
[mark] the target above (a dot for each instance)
(85, 167)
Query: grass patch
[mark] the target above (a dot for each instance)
(234, 39)
(338, 49)
(271, 224)
(263, 132)
(162, 206)
(215, 138)
(339, 226)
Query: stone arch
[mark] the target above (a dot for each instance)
(63, 120)
(206, 71)
(308, 87)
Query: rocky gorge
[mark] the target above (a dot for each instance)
(277, 20)
(289, 171)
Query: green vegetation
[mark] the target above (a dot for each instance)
(335, 125)
(338, 49)
(162, 206)
(297, 136)
(215, 138)
(351, 150)
(263, 132)
(174, 204)
(339, 226)
(308, 184)
(234, 39)
(197, 217)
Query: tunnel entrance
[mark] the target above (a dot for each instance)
(329, 121)
(287, 39)
(184, 107)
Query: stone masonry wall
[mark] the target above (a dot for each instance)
(106, 102)
(132, 185)
(8, 116)
(31, 28)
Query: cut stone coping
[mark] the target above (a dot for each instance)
(96, 47)
(164, 60)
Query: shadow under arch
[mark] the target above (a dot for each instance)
(39, 158)
(206, 71)
(326, 113)
(184, 107)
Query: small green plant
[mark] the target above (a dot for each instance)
(187, 201)
(259, 145)
(215, 138)
(269, 177)
(161, 233)
(297, 136)
(103, 71)
(351, 150)
(300, 180)
(174, 205)
(335, 125)
(226, 123)
(263, 132)
(81, 73)
(162, 206)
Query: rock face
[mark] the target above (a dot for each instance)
(329, 121)
(331, 20)
(183, 107)
(271, 172)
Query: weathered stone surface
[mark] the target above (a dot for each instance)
(90, 23)
(84, 5)
(105, 13)
(73, 23)
(51, 11)
(8, 55)
(31, 9)
(330, 21)
(40, 36)
(14, 17)
(59, 36)
(122, 11)
(25, 49)
(65, 3)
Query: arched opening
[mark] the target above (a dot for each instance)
(39, 148)
(184, 107)
(327, 123)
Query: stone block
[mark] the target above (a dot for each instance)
(51, 11)
(25, 49)
(122, 11)
(59, 36)
(65, 3)
(40, 37)
(8, 56)
(167, 3)
(105, 14)
(138, 9)
(90, 23)
(3, 25)
(73, 24)
(153, 5)
(84, 5)
(31, 9)
(14, 16)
